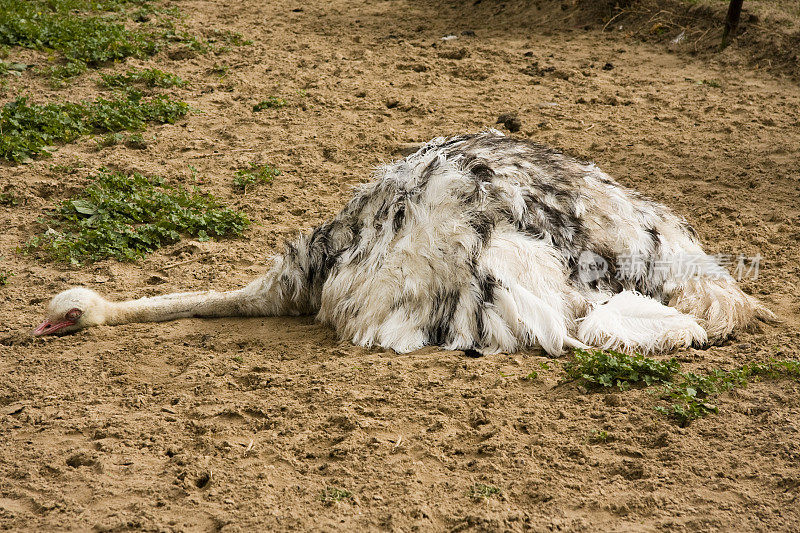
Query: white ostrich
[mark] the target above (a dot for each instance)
(484, 243)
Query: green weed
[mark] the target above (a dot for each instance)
(333, 494)
(533, 375)
(151, 77)
(481, 491)
(273, 102)
(220, 69)
(65, 169)
(79, 29)
(599, 437)
(136, 141)
(693, 395)
(711, 83)
(609, 368)
(8, 199)
(110, 139)
(5, 275)
(189, 42)
(12, 68)
(90, 33)
(126, 216)
(229, 37)
(253, 175)
(27, 130)
(59, 74)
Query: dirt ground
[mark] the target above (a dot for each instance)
(240, 424)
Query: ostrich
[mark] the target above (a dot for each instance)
(482, 243)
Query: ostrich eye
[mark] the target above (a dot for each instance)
(74, 314)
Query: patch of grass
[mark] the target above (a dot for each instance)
(334, 494)
(481, 491)
(273, 102)
(253, 175)
(151, 77)
(126, 216)
(609, 368)
(27, 130)
(5, 276)
(79, 29)
(693, 395)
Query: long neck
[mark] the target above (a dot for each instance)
(178, 305)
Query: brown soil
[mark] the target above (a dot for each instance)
(241, 424)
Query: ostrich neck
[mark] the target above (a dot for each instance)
(178, 305)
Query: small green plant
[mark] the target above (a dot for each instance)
(189, 43)
(12, 68)
(533, 375)
(334, 494)
(238, 359)
(151, 77)
(711, 83)
(220, 69)
(65, 169)
(136, 141)
(8, 199)
(599, 436)
(61, 74)
(5, 275)
(110, 139)
(607, 368)
(253, 175)
(233, 38)
(480, 491)
(27, 130)
(126, 216)
(692, 396)
(273, 102)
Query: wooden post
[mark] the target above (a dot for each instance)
(731, 21)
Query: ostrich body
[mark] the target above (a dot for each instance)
(478, 242)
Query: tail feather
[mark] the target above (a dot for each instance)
(631, 322)
(719, 305)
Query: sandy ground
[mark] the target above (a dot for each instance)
(239, 424)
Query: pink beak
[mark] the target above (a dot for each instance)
(47, 327)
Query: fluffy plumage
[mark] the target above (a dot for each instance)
(480, 242)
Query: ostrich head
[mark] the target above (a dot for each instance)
(72, 310)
